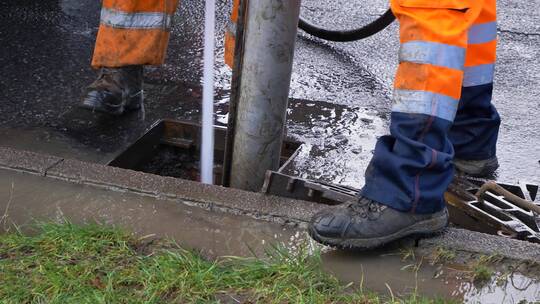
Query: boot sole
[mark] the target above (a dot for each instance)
(424, 229)
(487, 171)
(91, 104)
(102, 109)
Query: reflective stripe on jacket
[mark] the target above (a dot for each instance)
(133, 32)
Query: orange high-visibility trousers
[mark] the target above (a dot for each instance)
(434, 43)
(133, 32)
(441, 102)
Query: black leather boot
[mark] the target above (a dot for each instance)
(477, 168)
(366, 224)
(116, 91)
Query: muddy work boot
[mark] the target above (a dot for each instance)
(366, 224)
(477, 168)
(116, 91)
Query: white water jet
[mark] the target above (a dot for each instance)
(207, 146)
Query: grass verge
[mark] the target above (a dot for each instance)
(67, 263)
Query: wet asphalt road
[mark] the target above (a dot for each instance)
(341, 91)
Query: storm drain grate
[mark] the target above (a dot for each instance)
(498, 210)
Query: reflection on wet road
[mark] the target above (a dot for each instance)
(337, 138)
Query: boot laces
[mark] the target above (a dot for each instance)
(366, 208)
(109, 78)
(106, 75)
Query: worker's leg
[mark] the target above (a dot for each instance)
(476, 127)
(230, 34)
(411, 168)
(132, 33)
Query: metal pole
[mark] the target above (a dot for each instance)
(269, 41)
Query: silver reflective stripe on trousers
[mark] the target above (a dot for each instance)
(433, 53)
(482, 33)
(119, 19)
(422, 102)
(478, 75)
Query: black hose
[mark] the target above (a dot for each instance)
(349, 35)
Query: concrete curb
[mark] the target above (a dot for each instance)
(476, 242)
(257, 205)
(216, 198)
(27, 161)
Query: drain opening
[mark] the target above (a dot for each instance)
(172, 148)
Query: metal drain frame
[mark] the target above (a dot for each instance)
(281, 184)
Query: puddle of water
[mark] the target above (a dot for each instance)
(216, 234)
(514, 288)
(383, 271)
(338, 141)
(52, 143)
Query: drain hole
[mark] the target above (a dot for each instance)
(492, 212)
(171, 148)
(497, 201)
(174, 162)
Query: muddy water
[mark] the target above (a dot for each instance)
(388, 272)
(31, 199)
(25, 198)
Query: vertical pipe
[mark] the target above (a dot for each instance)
(269, 42)
(235, 89)
(207, 145)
